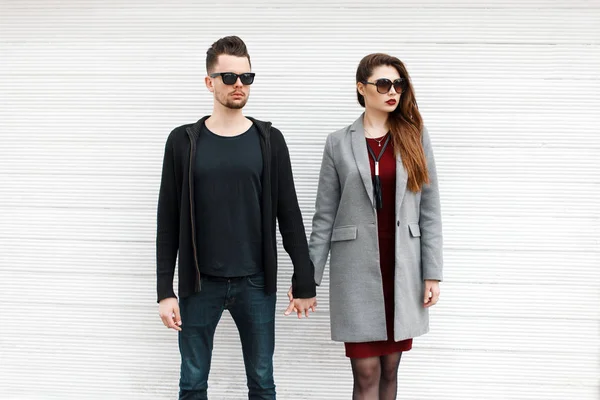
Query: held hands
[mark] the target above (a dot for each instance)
(168, 309)
(432, 293)
(300, 306)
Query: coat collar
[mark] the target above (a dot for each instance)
(361, 156)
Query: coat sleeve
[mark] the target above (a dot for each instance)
(326, 206)
(430, 219)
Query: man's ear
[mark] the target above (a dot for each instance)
(209, 84)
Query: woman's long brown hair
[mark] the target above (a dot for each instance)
(405, 121)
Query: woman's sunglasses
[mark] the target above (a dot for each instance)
(229, 78)
(384, 85)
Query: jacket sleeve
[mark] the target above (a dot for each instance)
(430, 219)
(291, 225)
(167, 231)
(326, 206)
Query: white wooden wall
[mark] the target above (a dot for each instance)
(509, 90)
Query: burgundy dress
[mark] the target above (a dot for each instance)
(386, 224)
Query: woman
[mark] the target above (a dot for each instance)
(378, 212)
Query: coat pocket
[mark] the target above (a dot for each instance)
(343, 233)
(415, 231)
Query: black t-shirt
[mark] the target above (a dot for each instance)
(227, 179)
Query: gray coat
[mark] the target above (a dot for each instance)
(345, 223)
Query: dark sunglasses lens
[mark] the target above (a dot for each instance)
(399, 85)
(247, 79)
(383, 85)
(229, 79)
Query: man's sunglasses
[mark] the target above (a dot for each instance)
(229, 78)
(384, 85)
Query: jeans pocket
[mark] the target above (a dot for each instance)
(257, 280)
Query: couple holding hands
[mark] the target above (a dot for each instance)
(226, 182)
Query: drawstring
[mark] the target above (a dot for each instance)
(376, 181)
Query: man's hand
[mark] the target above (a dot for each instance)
(168, 309)
(432, 293)
(300, 306)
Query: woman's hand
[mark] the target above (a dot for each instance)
(432, 293)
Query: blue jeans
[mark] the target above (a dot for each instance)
(254, 314)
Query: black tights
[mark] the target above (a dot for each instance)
(375, 378)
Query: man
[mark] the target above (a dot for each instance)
(225, 181)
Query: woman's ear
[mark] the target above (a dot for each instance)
(361, 88)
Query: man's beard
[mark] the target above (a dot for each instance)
(234, 105)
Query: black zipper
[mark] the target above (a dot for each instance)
(191, 184)
(267, 161)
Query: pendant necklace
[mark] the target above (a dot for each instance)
(379, 141)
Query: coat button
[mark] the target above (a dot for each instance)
(398, 223)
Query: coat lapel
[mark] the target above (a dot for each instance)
(401, 181)
(361, 155)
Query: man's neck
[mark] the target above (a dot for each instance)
(227, 122)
